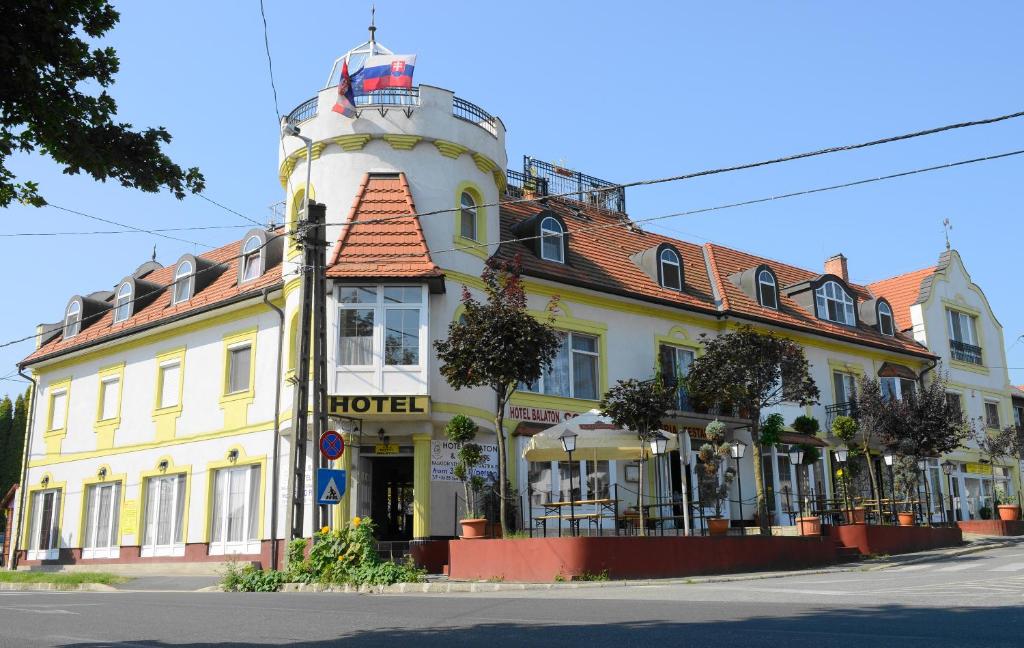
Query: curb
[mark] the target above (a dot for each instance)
(55, 587)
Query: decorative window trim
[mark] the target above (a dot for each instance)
(211, 468)
(61, 488)
(678, 263)
(236, 404)
(852, 305)
(77, 304)
(166, 418)
(188, 280)
(177, 548)
(569, 324)
(471, 246)
(774, 284)
(128, 302)
(113, 551)
(105, 428)
(892, 318)
(379, 341)
(563, 248)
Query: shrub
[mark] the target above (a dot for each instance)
(250, 579)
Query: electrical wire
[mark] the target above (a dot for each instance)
(131, 227)
(95, 232)
(270, 61)
(226, 208)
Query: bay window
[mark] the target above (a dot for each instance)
(102, 511)
(163, 521)
(236, 507)
(44, 525)
(574, 370)
(381, 325)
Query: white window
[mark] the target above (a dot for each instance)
(675, 365)
(123, 303)
(251, 252)
(845, 385)
(73, 320)
(381, 325)
(552, 240)
(574, 371)
(671, 270)
(44, 530)
(992, 414)
(184, 282)
(885, 322)
(236, 507)
(766, 289)
(834, 304)
(58, 409)
(163, 532)
(467, 217)
(239, 364)
(170, 384)
(1018, 416)
(109, 397)
(549, 481)
(896, 388)
(102, 510)
(963, 336)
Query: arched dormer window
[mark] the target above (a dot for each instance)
(834, 303)
(72, 319)
(670, 269)
(123, 303)
(552, 240)
(767, 289)
(467, 217)
(251, 261)
(184, 282)
(885, 319)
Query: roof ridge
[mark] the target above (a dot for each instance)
(346, 227)
(902, 275)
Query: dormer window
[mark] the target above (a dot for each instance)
(184, 282)
(834, 304)
(123, 303)
(670, 269)
(251, 259)
(552, 246)
(72, 319)
(467, 217)
(767, 289)
(885, 321)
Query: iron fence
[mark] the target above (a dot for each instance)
(576, 185)
(302, 112)
(473, 113)
(965, 352)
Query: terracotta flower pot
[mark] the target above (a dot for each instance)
(809, 526)
(854, 515)
(473, 529)
(906, 519)
(718, 526)
(1009, 512)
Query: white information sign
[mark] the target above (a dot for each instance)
(443, 457)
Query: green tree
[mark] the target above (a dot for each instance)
(639, 406)
(498, 344)
(462, 430)
(46, 66)
(753, 371)
(6, 427)
(712, 482)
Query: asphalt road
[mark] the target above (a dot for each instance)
(972, 600)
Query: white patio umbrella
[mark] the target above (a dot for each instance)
(597, 439)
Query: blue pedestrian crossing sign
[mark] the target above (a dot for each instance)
(330, 485)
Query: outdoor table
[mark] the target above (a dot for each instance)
(554, 510)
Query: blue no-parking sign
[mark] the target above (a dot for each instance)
(330, 485)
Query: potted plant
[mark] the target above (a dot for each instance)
(845, 429)
(714, 482)
(462, 430)
(807, 524)
(905, 476)
(1007, 512)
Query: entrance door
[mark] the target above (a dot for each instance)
(391, 498)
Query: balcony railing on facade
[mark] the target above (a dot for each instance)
(965, 352)
(832, 412)
(404, 97)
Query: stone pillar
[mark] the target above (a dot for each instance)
(421, 485)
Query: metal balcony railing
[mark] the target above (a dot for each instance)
(473, 113)
(965, 352)
(832, 412)
(302, 112)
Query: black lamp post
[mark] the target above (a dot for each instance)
(947, 470)
(889, 458)
(737, 448)
(658, 443)
(841, 455)
(922, 465)
(796, 458)
(568, 439)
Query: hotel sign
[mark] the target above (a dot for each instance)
(539, 415)
(372, 406)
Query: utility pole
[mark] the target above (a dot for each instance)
(318, 247)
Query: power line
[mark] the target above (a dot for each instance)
(131, 227)
(96, 232)
(226, 208)
(715, 171)
(270, 61)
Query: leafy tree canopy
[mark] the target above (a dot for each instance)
(46, 65)
(638, 405)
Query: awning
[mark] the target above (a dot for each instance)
(597, 439)
(795, 438)
(893, 370)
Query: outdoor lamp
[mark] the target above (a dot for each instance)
(568, 439)
(348, 425)
(840, 454)
(162, 466)
(102, 473)
(737, 448)
(889, 458)
(920, 464)
(233, 454)
(947, 467)
(796, 455)
(659, 442)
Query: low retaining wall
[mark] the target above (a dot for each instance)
(873, 539)
(544, 559)
(993, 527)
(431, 555)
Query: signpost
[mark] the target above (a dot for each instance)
(330, 486)
(332, 445)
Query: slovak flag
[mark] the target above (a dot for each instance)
(346, 103)
(386, 71)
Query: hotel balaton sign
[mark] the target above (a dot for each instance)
(374, 406)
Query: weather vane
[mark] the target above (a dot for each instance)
(947, 226)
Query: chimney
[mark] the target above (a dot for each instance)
(836, 265)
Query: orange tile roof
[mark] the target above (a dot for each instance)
(901, 291)
(224, 288)
(392, 248)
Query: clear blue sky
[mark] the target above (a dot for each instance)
(620, 90)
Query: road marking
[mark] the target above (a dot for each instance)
(960, 567)
(1008, 568)
(907, 568)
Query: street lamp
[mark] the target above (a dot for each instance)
(922, 466)
(737, 448)
(659, 443)
(568, 439)
(947, 470)
(889, 459)
(796, 458)
(841, 455)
